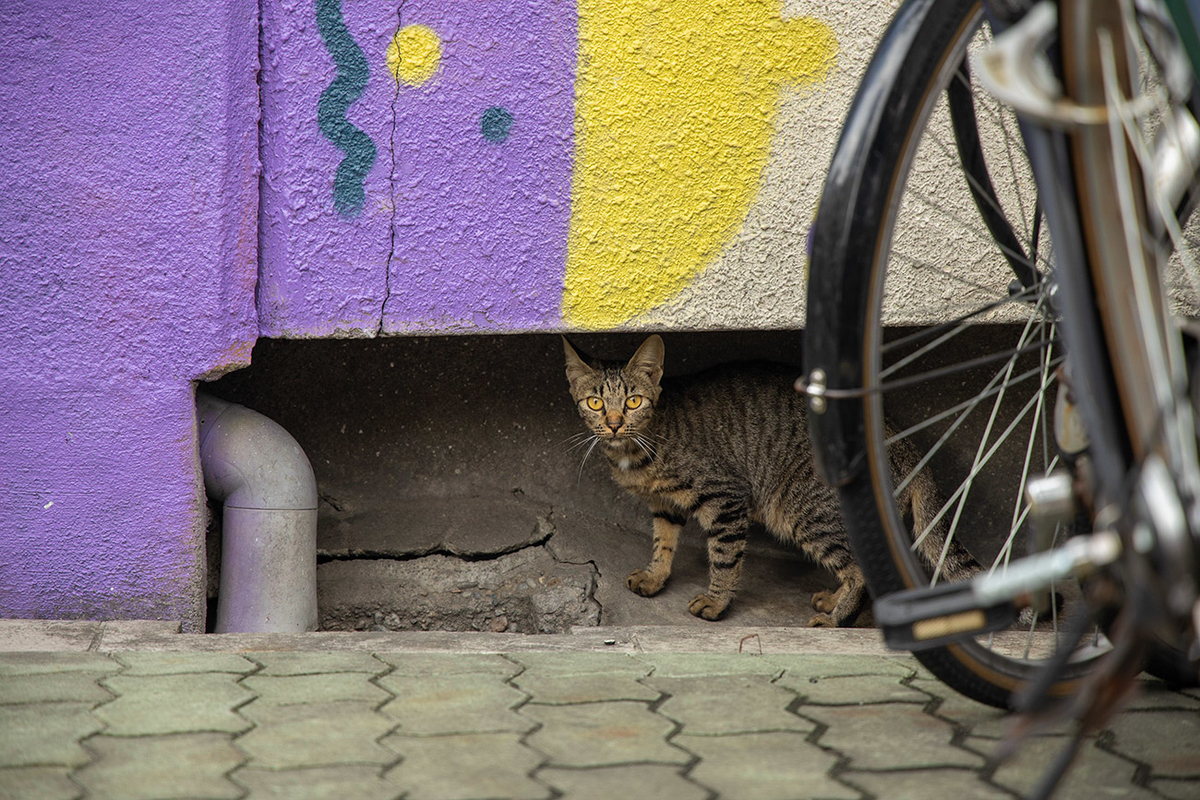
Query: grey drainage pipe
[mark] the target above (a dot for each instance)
(269, 526)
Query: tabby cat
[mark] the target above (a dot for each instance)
(728, 447)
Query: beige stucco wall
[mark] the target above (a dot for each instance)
(758, 279)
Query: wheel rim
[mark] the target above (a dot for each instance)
(942, 260)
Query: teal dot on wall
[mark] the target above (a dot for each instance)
(495, 123)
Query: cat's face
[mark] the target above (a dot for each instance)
(617, 401)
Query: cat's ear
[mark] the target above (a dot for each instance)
(577, 368)
(648, 359)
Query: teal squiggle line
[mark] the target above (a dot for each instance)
(349, 196)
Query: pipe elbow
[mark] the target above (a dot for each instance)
(250, 461)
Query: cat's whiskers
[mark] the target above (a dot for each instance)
(575, 437)
(588, 452)
(647, 447)
(583, 439)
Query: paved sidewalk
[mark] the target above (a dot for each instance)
(133, 710)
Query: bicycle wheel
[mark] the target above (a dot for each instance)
(930, 214)
(1136, 181)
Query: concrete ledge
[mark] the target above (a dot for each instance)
(29, 635)
(35, 635)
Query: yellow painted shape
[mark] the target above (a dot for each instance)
(414, 54)
(674, 110)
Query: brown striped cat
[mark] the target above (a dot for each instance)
(728, 447)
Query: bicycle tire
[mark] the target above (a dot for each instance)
(852, 242)
(1118, 350)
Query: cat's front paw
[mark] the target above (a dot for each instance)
(821, 621)
(646, 584)
(705, 607)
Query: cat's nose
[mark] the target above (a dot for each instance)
(613, 421)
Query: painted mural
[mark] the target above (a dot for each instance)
(526, 165)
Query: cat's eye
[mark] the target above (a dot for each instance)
(633, 401)
(595, 403)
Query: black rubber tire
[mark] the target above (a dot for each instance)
(852, 238)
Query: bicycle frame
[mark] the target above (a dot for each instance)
(1127, 364)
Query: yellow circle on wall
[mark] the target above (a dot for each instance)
(414, 53)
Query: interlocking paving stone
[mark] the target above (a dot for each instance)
(52, 687)
(628, 781)
(441, 704)
(983, 720)
(37, 663)
(559, 689)
(465, 766)
(45, 734)
(317, 783)
(157, 663)
(42, 783)
(841, 690)
(834, 666)
(187, 703)
(889, 736)
(582, 677)
(284, 662)
(558, 664)
(926, 784)
(160, 767)
(596, 734)
(721, 704)
(777, 765)
(1139, 735)
(1094, 774)
(421, 664)
(1177, 788)
(682, 665)
(333, 686)
(1154, 694)
(315, 734)
(849, 680)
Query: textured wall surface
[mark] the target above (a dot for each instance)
(127, 255)
(426, 167)
(535, 165)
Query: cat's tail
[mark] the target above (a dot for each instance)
(945, 556)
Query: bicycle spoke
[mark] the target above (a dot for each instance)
(1003, 372)
(981, 233)
(951, 328)
(991, 201)
(976, 469)
(965, 404)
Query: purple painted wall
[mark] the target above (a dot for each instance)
(127, 254)
(323, 273)
(141, 253)
(464, 224)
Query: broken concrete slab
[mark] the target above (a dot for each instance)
(528, 591)
(471, 527)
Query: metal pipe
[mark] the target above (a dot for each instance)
(269, 522)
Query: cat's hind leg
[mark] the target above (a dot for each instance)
(829, 547)
(650, 581)
(836, 607)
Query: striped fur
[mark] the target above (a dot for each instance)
(730, 447)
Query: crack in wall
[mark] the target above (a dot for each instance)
(473, 556)
(387, 270)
